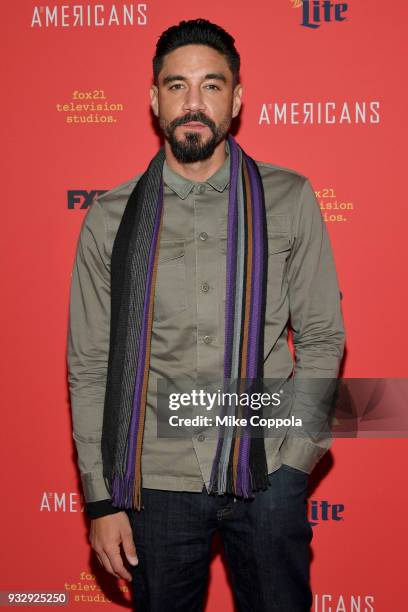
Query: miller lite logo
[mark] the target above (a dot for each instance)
(315, 12)
(324, 511)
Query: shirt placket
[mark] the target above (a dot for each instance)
(208, 205)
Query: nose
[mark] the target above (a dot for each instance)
(193, 100)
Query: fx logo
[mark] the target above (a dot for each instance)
(82, 197)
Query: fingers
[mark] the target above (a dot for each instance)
(130, 550)
(112, 562)
(116, 563)
(128, 544)
(106, 535)
(104, 561)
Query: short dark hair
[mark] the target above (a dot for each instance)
(197, 32)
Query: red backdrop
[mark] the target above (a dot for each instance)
(349, 73)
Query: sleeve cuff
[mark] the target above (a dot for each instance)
(302, 454)
(97, 509)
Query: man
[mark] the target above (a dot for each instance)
(187, 270)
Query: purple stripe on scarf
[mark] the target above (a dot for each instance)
(257, 269)
(231, 258)
(243, 473)
(230, 282)
(134, 425)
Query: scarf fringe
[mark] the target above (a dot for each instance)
(259, 480)
(125, 491)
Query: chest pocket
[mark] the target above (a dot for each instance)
(279, 249)
(170, 293)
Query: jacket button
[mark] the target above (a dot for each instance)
(207, 339)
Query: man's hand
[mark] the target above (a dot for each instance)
(106, 535)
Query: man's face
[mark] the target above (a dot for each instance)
(195, 101)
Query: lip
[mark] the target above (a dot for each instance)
(196, 125)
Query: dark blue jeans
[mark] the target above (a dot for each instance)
(266, 542)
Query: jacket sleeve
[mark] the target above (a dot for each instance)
(87, 355)
(318, 333)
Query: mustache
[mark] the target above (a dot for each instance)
(199, 117)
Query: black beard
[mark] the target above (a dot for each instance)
(192, 149)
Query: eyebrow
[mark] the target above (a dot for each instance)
(178, 77)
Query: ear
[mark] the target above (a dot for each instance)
(154, 99)
(236, 100)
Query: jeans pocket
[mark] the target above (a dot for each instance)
(289, 468)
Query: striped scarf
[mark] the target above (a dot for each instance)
(239, 465)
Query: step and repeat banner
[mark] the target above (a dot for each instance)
(323, 94)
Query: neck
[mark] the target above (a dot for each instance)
(197, 171)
